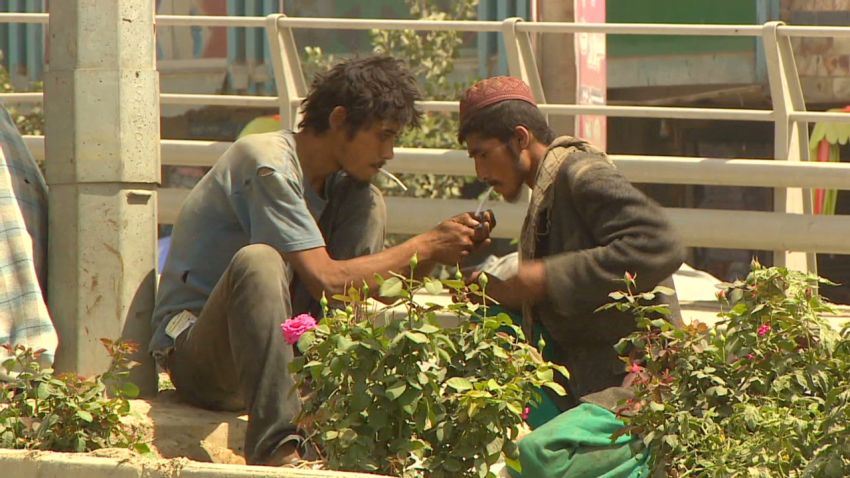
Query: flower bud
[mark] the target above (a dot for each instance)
(483, 280)
(324, 303)
(414, 261)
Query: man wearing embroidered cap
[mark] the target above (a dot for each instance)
(586, 226)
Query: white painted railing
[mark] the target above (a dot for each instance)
(790, 228)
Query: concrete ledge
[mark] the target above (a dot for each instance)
(177, 430)
(37, 464)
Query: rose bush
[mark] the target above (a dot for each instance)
(406, 397)
(764, 393)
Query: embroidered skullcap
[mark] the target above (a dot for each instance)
(491, 91)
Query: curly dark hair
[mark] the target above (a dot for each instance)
(499, 120)
(372, 88)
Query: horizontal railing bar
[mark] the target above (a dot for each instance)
(329, 23)
(24, 17)
(452, 106)
(734, 172)
(697, 227)
(638, 169)
(22, 98)
(668, 29)
(209, 21)
(767, 231)
(169, 99)
(812, 31)
(661, 112)
(540, 27)
(383, 24)
(219, 100)
(178, 152)
(659, 170)
(820, 116)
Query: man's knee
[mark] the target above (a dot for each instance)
(258, 260)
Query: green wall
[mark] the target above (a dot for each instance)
(679, 11)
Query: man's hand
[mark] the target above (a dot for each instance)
(496, 289)
(527, 286)
(485, 222)
(453, 239)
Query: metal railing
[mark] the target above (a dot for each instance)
(791, 227)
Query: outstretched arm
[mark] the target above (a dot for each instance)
(448, 243)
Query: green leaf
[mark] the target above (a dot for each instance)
(416, 337)
(395, 390)
(671, 440)
(459, 383)
(433, 286)
(343, 343)
(144, 449)
(556, 387)
(514, 464)
(306, 341)
(347, 435)
(44, 390)
(717, 390)
(85, 416)
(454, 284)
(545, 375)
(129, 390)
(428, 329)
(391, 288)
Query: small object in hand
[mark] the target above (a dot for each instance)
(482, 200)
(479, 213)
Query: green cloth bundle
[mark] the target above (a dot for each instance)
(577, 444)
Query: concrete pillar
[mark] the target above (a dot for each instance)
(558, 62)
(102, 161)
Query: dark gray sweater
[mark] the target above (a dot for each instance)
(599, 227)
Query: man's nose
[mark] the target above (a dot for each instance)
(481, 172)
(388, 152)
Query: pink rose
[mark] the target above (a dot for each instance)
(525, 412)
(635, 368)
(297, 326)
(763, 330)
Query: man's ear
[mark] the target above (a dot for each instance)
(338, 117)
(524, 136)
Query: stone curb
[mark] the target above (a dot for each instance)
(39, 464)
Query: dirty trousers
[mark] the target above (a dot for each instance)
(235, 357)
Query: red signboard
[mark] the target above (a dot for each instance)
(592, 74)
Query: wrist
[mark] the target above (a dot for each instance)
(420, 245)
(530, 281)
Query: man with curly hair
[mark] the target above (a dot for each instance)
(281, 219)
